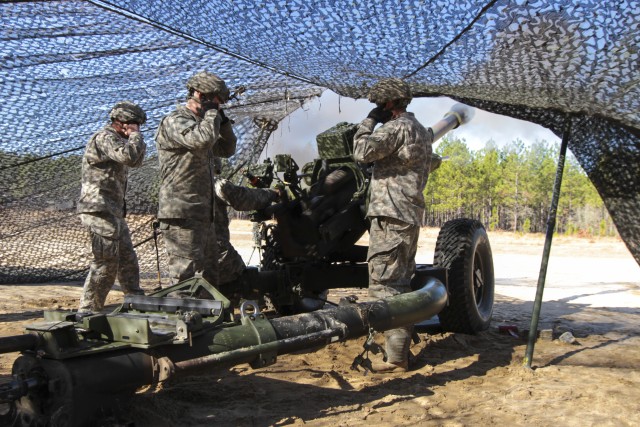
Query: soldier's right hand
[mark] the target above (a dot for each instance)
(281, 192)
(130, 128)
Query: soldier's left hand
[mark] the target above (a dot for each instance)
(223, 117)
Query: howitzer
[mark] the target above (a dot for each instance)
(73, 368)
(313, 245)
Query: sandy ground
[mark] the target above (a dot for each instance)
(592, 290)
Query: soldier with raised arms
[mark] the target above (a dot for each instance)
(105, 166)
(188, 141)
(400, 151)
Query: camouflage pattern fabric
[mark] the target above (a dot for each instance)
(394, 90)
(337, 141)
(105, 167)
(391, 256)
(187, 146)
(191, 248)
(128, 112)
(207, 82)
(391, 261)
(401, 152)
(436, 162)
(549, 62)
(231, 264)
(113, 257)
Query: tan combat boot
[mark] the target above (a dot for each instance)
(382, 367)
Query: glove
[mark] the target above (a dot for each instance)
(380, 115)
(281, 193)
(209, 105)
(223, 117)
(436, 161)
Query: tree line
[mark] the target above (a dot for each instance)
(510, 188)
(506, 188)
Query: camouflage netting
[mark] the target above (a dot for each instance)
(65, 63)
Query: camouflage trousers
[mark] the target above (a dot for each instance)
(391, 260)
(231, 263)
(113, 257)
(192, 249)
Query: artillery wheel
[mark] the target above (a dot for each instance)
(463, 249)
(9, 414)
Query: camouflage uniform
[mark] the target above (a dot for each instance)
(186, 146)
(231, 264)
(401, 152)
(105, 167)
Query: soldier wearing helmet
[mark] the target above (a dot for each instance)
(188, 140)
(105, 165)
(400, 153)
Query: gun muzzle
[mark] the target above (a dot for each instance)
(457, 116)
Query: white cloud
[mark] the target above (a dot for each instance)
(296, 134)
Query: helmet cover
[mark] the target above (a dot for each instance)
(206, 82)
(386, 90)
(128, 112)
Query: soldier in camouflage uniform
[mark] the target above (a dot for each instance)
(239, 198)
(188, 139)
(400, 151)
(105, 165)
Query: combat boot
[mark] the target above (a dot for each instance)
(389, 367)
(397, 343)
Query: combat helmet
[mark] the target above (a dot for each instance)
(128, 112)
(391, 89)
(205, 82)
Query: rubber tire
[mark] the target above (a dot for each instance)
(463, 249)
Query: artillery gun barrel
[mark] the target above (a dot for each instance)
(308, 330)
(456, 117)
(18, 343)
(68, 389)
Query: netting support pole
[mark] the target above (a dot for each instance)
(551, 224)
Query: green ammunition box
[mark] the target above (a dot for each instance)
(337, 141)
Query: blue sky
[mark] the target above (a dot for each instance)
(296, 133)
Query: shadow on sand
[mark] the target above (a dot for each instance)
(223, 397)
